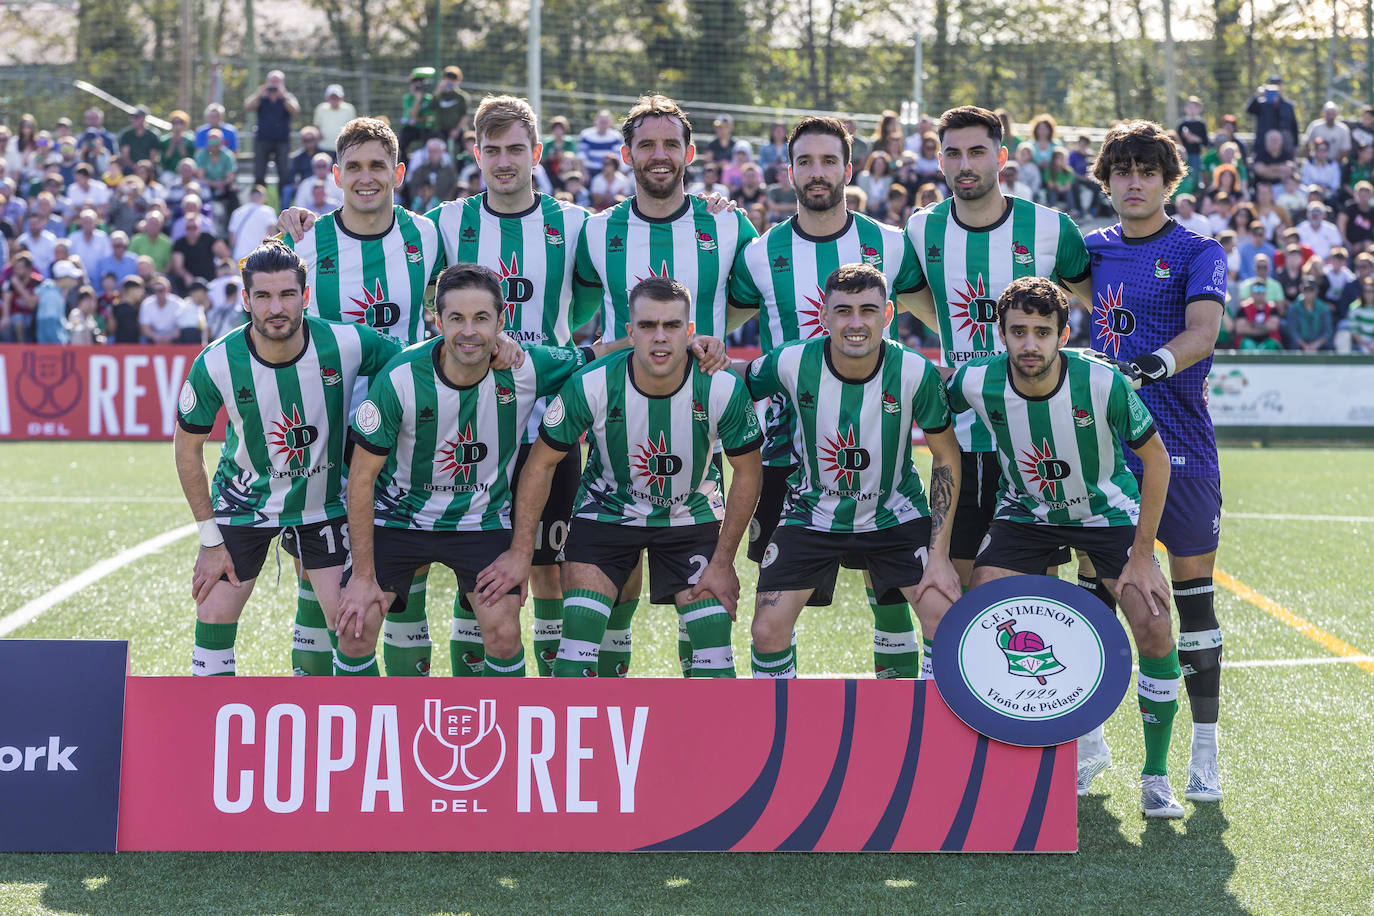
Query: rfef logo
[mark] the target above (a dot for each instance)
(452, 749)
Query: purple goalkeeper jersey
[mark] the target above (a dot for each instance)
(1141, 291)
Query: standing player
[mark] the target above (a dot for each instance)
(442, 429)
(857, 497)
(780, 273)
(1158, 292)
(653, 418)
(1059, 419)
(971, 246)
(659, 232)
(284, 380)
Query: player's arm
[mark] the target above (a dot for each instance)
(940, 573)
(295, 222)
(512, 568)
(1142, 570)
(362, 592)
(213, 561)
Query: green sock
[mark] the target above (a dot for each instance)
(505, 667)
(894, 639)
(308, 653)
(406, 647)
(548, 627)
(775, 664)
(213, 652)
(347, 666)
(1158, 693)
(708, 628)
(684, 648)
(585, 614)
(927, 660)
(614, 660)
(465, 640)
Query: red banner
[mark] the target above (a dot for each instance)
(457, 764)
(113, 392)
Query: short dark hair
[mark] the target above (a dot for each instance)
(1142, 143)
(468, 276)
(661, 289)
(969, 116)
(654, 106)
(855, 278)
(1034, 296)
(269, 258)
(362, 130)
(832, 127)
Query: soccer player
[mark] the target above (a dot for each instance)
(437, 442)
(1058, 419)
(659, 232)
(653, 418)
(970, 247)
(284, 380)
(1159, 292)
(780, 273)
(856, 497)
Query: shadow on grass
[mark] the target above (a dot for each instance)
(1173, 869)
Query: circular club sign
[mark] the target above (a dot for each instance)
(1031, 660)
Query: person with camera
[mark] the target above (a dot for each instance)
(272, 134)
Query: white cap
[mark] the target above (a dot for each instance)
(66, 270)
(334, 89)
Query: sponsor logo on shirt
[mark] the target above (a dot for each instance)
(244, 395)
(426, 415)
(291, 437)
(781, 264)
(654, 464)
(1040, 468)
(1113, 321)
(933, 255)
(461, 454)
(373, 309)
(327, 265)
(974, 312)
(996, 418)
(615, 243)
(844, 459)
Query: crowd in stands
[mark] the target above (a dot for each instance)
(135, 237)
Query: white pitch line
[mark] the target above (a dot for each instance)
(1249, 663)
(86, 500)
(13, 621)
(1281, 517)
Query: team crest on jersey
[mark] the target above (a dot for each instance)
(1042, 469)
(461, 454)
(705, 242)
(698, 412)
(515, 289)
(1081, 418)
(870, 255)
(327, 265)
(843, 458)
(413, 253)
(975, 313)
(654, 464)
(552, 236)
(890, 404)
(330, 376)
(809, 316)
(1020, 253)
(1113, 321)
(373, 309)
(291, 437)
(1161, 268)
(504, 395)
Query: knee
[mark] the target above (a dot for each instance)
(769, 635)
(502, 638)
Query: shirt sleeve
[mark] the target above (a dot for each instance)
(200, 400)
(743, 291)
(1127, 413)
(910, 277)
(568, 416)
(1071, 263)
(1207, 274)
(377, 350)
(378, 419)
(739, 426)
(930, 406)
(553, 366)
(955, 392)
(762, 379)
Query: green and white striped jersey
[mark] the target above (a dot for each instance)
(852, 441)
(649, 457)
(968, 268)
(619, 247)
(782, 273)
(451, 451)
(1060, 454)
(378, 280)
(282, 463)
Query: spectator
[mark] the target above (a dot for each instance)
(39, 241)
(193, 257)
(321, 175)
(9, 152)
(185, 182)
(1028, 171)
(597, 142)
(250, 224)
(303, 162)
(1273, 289)
(1192, 131)
(782, 197)
(214, 121)
(1321, 171)
(87, 192)
(435, 171)
(317, 201)
(710, 182)
(1042, 143)
(1220, 217)
(1356, 333)
(127, 205)
(1308, 326)
(84, 325)
(451, 106)
(191, 324)
(1338, 275)
(192, 210)
(876, 176)
(1356, 221)
(417, 110)
(1317, 233)
(1259, 325)
(895, 209)
(50, 312)
(152, 242)
(928, 195)
(1059, 181)
(119, 263)
(1011, 181)
(731, 174)
(1226, 238)
(751, 188)
(1226, 181)
(146, 270)
(722, 146)
(179, 144)
(1360, 167)
(272, 134)
(610, 186)
(1290, 273)
(928, 161)
(758, 217)
(219, 171)
(1333, 130)
(139, 142)
(1255, 244)
(94, 135)
(1225, 134)
(158, 314)
(773, 154)
(1362, 131)
(1186, 215)
(227, 313)
(1267, 211)
(1273, 112)
(916, 138)
(1271, 156)
(124, 316)
(575, 186)
(89, 242)
(859, 147)
(855, 200)
(559, 143)
(64, 169)
(330, 117)
(18, 298)
(1364, 269)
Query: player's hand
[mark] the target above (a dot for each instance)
(360, 595)
(1142, 573)
(295, 222)
(717, 203)
(510, 570)
(506, 353)
(719, 581)
(1125, 367)
(710, 353)
(211, 564)
(941, 577)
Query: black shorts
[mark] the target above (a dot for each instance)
(399, 552)
(552, 532)
(1027, 548)
(317, 546)
(769, 510)
(980, 480)
(799, 558)
(677, 555)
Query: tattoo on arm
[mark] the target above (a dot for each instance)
(941, 497)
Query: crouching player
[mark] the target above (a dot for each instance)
(856, 497)
(430, 481)
(1058, 419)
(653, 417)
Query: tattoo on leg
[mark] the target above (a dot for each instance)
(941, 496)
(769, 599)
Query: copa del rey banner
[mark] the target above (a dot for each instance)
(444, 764)
(92, 392)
